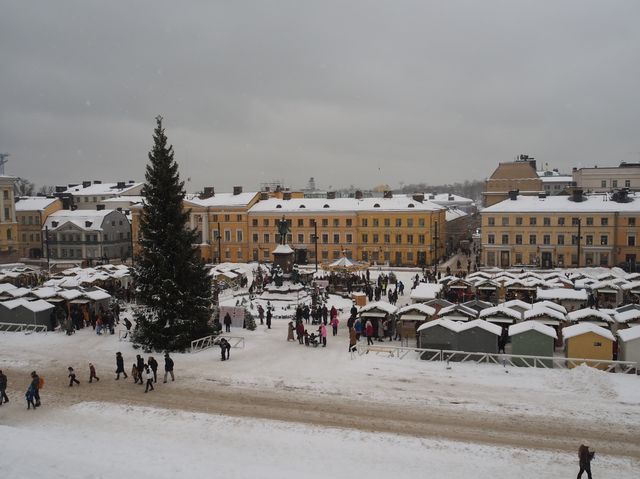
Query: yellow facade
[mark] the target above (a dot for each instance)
(30, 222)
(8, 223)
(590, 346)
(549, 239)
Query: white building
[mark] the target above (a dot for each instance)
(89, 194)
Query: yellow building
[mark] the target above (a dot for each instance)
(551, 231)
(31, 214)
(398, 230)
(588, 341)
(8, 223)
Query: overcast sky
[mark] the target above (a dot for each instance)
(350, 92)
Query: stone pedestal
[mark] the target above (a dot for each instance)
(283, 256)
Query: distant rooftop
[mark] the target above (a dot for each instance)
(33, 203)
(98, 188)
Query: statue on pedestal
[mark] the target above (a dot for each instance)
(283, 230)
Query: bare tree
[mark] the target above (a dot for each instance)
(46, 190)
(23, 187)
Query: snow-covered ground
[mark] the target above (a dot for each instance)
(99, 431)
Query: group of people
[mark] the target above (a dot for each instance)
(145, 373)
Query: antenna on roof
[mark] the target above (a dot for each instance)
(3, 161)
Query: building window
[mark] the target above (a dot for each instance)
(409, 223)
(227, 235)
(266, 237)
(365, 222)
(518, 220)
(604, 240)
(239, 236)
(325, 255)
(546, 221)
(421, 222)
(631, 240)
(300, 238)
(532, 239)
(491, 221)
(6, 214)
(254, 222)
(336, 238)
(325, 238)
(575, 221)
(604, 259)
(349, 238)
(409, 239)
(505, 239)
(560, 221)
(325, 221)
(365, 238)
(518, 258)
(255, 237)
(518, 239)
(627, 183)
(614, 183)
(421, 239)
(589, 221)
(491, 239)
(604, 221)
(265, 222)
(533, 221)
(505, 221)
(409, 256)
(238, 217)
(265, 254)
(387, 238)
(546, 239)
(336, 254)
(560, 239)
(387, 223)
(589, 240)
(603, 184)
(631, 221)
(300, 223)
(227, 218)
(336, 222)
(376, 222)
(398, 222)
(398, 239)
(349, 222)
(9, 234)
(491, 258)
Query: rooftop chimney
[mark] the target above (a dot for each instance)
(120, 185)
(513, 194)
(419, 197)
(54, 224)
(286, 195)
(358, 195)
(86, 184)
(237, 190)
(331, 195)
(264, 195)
(87, 224)
(97, 182)
(387, 194)
(576, 195)
(207, 192)
(99, 207)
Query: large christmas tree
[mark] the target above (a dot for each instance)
(171, 280)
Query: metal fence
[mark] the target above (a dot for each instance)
(22, 328)
(515, 360)
(207, 342)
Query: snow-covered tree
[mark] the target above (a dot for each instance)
(171, 279)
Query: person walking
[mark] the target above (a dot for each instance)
(290, 332)
(369, 333)
(140, 366)
(153, 364)
(72, 377)
(269, 318)
(30, 397)
(261, 313)
(35, 385)
(92, 373)
(323, 334)
(225, 349)
(357, 326)
(227, 323)
(585, 457)
(300, 332)
(3, 388)
(352, 340)
(120, 366)
(334, 324)
(168, 367)
(135, 373)
(148, 376)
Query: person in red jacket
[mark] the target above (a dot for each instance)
(369, 331)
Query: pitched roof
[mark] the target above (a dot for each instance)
(274, 205)
(563, 204)
(222, 200)
(532, 326)
(34, 203)
(583, 328)
(79, 218)
(629, 334)
(562, 294)
(589, 313)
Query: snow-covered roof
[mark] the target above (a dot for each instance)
(79, 218)
(18, 292)
(458, 308)
(552, 305)
(45, 292)
(589, 313)
(482, 324)
(101, 189)
(631, 286)
(383, 305)
(69, 293)
(447, 199)
(35, 306)
(605, 285)
(562, 294)
(445, 323)
(583, 328)
(454, 213)
(6, 287)
(532, 325)
(318, 205)
(500, 310)
(517, 303)
(34, 203)
(538, 311)
(629, 334)
(426, 291)
(223, 200)
(419, 308)
(626, 316)
(563, 204)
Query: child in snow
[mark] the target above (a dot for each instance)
(72, 377)
(92, 373)
(30, 397)
(136, 374)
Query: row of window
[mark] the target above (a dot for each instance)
(614, 183)
(590, 259)
(30, 220)
(89, 238)
(560, 240)
(546, 221)
(32, 237)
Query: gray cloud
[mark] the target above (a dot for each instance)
(351, 92)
